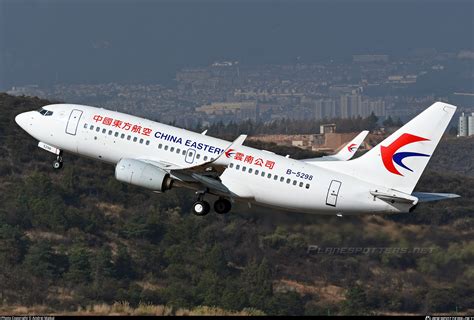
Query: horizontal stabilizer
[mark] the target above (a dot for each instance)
(427, 197)
(395, 196)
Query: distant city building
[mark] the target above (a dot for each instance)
(402, 79)
(370, 58)
(466, 125)
(242, 110)
(470, 125)
(463, 126)
(327, 128)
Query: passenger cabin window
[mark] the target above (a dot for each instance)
(307, 186)
(97, 129)
(147, 142)
(141, 140)
(104, 131)
(116, 134)
(160, 145)
(135, 139)
(250, 170)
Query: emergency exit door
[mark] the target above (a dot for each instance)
(333, 192)
(73, 121)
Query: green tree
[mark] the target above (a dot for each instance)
(286, 304)
(13, 245)
(42, 261)
(257, 281)
(79, 265)
(356, 301)
(124, 264)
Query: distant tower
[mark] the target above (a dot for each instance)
(470, 125)
(463, 124)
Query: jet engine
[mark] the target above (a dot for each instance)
(143, 174)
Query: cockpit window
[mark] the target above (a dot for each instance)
(45, 112)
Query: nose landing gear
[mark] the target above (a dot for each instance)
(58, 163)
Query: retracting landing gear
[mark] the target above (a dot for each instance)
(222, 206)
(201, 207)
(58, 163)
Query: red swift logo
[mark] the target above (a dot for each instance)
(352, 147)
(389, 156)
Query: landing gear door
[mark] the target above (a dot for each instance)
(73, 122)
(190, 154)
(333, 192)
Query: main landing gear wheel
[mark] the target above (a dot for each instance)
(222, 206)
(58, 163)
(201, 208)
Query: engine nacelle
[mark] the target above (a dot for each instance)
(143, 174)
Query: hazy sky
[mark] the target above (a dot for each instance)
(147, 41)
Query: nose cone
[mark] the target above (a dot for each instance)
(21, 120)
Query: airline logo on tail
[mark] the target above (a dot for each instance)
(389, 155)
(352, 147)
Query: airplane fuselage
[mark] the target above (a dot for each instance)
(251, 175)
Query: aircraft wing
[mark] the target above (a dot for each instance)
(206, 173)
(346, 153)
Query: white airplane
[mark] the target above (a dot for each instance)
(160, 157)
(346, 152)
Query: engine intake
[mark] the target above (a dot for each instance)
(143, 174)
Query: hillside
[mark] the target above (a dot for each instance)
(79, 241)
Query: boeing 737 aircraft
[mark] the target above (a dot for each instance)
(160, 157)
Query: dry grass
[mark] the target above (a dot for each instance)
(124, 309)
(326, 292)
(110, 209)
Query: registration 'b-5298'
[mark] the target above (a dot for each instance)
(160, 157)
